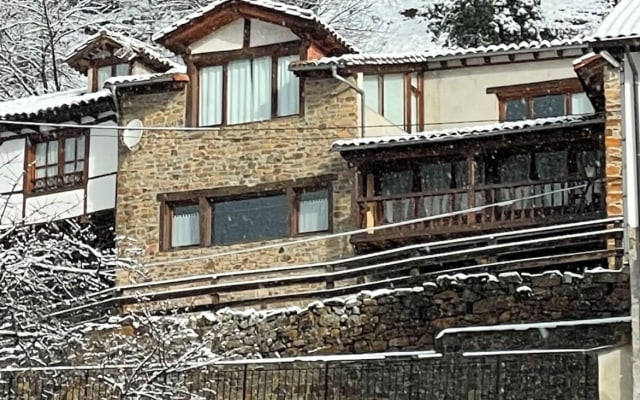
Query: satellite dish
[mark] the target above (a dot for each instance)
(132, 133)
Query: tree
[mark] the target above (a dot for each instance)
(473, 23)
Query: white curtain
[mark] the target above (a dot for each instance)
(288, 88)
(122, 69)
(261, 89)
(52, 158)
(580, 104)
(80, 146)
(211, 96)
(394, 99)
(314, 212)
(185, 226)
(239, 106)
(41, 159)
(104, 73)
(69, 155)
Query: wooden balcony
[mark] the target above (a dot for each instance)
(477, 209)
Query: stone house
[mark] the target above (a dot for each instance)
(277, 138)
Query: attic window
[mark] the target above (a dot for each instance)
(104, 71)
(541, 100)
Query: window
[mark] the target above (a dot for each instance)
(397, 97)
(185, 225)
(58, 163)
(248, 89)
(105, 72)
(235, 215)
(541, 100)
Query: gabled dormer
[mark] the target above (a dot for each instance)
(110, 54)
(238, 53)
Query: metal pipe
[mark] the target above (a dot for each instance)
(360, 91)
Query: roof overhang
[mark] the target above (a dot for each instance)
(590, 72)
(303, 23)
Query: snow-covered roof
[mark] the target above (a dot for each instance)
(30, 107)
(443, 54)
(465, 132)
(622, 23)
(283, 8)
(133, 46)
(175, 74)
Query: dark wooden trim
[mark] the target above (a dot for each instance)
(165, 226)
(421, 105)
(246, 34)
(556, 86)
(274, 87)
(223, 57)
(408, 100)
(192, 108)
(231, 191)
(225, 94)
(293, 201)
(206, 221)
(85, 163)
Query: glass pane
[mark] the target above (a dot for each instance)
(288, 88)
(371, 92)
(394, 99)
(80, 146)
(70, 149)
(41, 154)
(185, 226)
(551, 164)
(314, 211)
(516, 110)
(69, 168)
(52, 153)
(580, 104)
(515, 168)
(52, 171)
(122, 69)
(211, 96)
(549, 106)
(79, 166)
(104, 73)
(396, 183)
(261, 88)
(40, 173)
(246, 220)
(239, 105)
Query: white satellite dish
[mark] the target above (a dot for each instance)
(132, 133)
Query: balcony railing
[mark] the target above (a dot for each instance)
(489, 206)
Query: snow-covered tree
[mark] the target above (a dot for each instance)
(472, 23)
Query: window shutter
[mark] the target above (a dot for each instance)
(288, 88)
(210, 96)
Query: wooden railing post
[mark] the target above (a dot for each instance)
(370, 207)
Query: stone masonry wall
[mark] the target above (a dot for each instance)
(402, 319)
(613, 142)
(240, 155)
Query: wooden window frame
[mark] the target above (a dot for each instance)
(409, 90)
(113, 62)
(196, 62)
(206, 200)
(528, 91)
(59, 137)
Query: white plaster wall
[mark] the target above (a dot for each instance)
(264, 33)
(10, 209)
(101, 193)
(54, 206)
(456, 97)
(139, 69)
(614, 369)
(12, 165)
(378, 125)
(229, 37)
(103, 150)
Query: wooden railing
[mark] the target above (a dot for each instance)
(531, 201)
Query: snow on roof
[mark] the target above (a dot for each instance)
(29, 107)
(465, 132)
(533, 325)
(622, 23)
(136, 46)
(147, 78)
(442, 54)
(269, 4)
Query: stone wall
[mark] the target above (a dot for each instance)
(613, 141)
(402, 319)
(282, 149)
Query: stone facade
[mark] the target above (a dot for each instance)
(282, 149)
(613, 141)
(404, 319)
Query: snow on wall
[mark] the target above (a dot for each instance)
(264, 33)
(103, 150)
(101, 193)
(229, 37)
(48, 207)
(12, 165)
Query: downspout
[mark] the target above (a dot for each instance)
(360, 91)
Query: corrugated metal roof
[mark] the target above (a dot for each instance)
(30, 107)
(439, 55)
(465, 132)
(136, 46)
(622, 23)
(268, 4)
